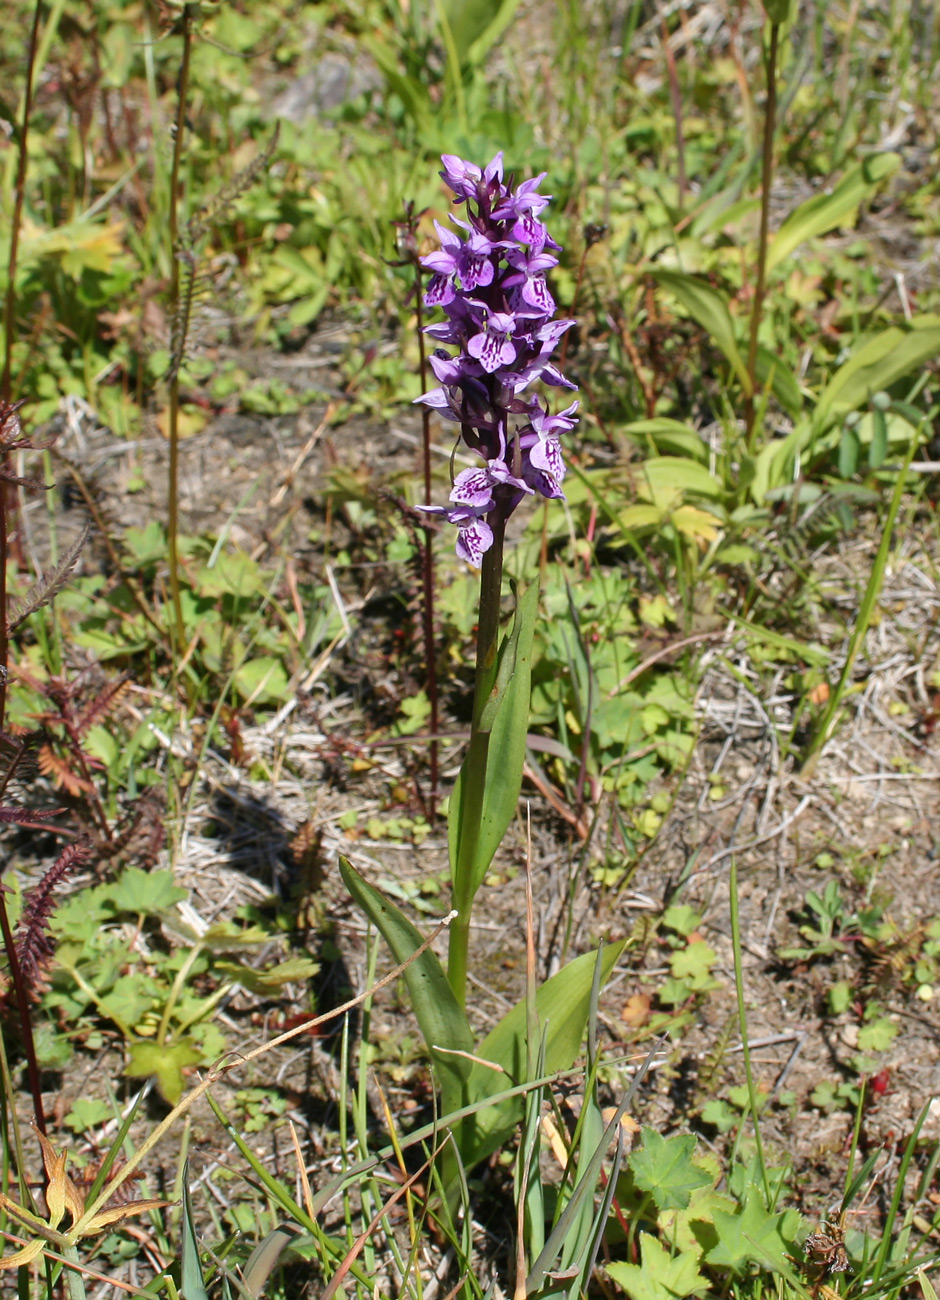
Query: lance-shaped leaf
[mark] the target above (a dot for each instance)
(878, 364)
(563, 1004)
(494, 762)
(827, 211)
(442, 1021)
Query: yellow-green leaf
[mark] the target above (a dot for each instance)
(21, 1257)
(827, 211)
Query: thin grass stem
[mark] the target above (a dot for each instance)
(742, 1024)
(827, 724)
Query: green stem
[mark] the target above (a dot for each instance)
(770, 126)
(491, 586)
(742, 1025)
(74, 1281)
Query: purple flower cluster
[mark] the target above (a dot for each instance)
(491, 285)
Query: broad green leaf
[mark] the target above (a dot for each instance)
(709, 309)
(563, 1005)
(827, 211)
(878, 364)
(669, 436)
(725, 210)
(664, 1167)
(86, 1113)
(262, 680)
(506, 718)
(694, 962)
(640, 516)
(234, 573)
(163, 1061)
(669, 476)
(147, 892)
(659, 1276)
(778, 11)
(695, 523)
(877, 1036)
(752, 1236)
(442, 1021)
(81, 245)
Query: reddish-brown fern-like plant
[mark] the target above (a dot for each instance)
(61, 755)
(33, 943)
(16, 754)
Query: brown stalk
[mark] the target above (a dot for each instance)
(767, 172)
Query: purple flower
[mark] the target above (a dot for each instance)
(466, 179)
(490, 283)
(493, 346)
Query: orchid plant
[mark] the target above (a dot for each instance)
(489, 277)
(500, 315)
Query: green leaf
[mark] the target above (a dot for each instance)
(506, 719)
(476, 25)
(720, 1114)
(442, 1021)
(86, 1113)
(146, 892)
(266, 983)
(682, 918)
(192, 1285)
(848, 453)
(878, 449)
(694, 964)
(753, 1236)
(669, 436)
(709, 309)
(563, 1004)
(668, 476)
(877, 1036)
(827, 211)
(163, 1061)
(664, 1168)
(129, 998)
(233, 574)
(262, 680)
(878, 364)
(801, 650)
(659, 1276)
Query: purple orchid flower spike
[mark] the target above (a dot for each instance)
(491, 285)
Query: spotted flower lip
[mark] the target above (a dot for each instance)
(499, 314)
